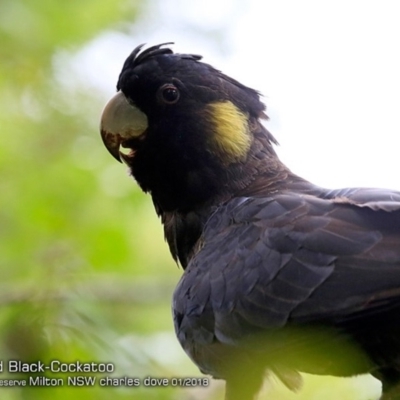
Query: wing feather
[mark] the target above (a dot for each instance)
(266, 263)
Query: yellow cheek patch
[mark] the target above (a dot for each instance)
(231, 138)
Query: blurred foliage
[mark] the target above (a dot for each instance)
(85, 272)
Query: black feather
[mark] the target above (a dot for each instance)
(280, 274)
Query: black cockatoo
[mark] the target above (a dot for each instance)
(279, 274)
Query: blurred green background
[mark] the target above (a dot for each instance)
(85, 272)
